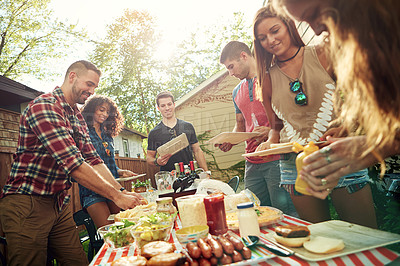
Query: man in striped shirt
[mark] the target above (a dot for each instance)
(53, 148)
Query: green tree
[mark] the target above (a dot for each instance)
(197, 58)
(131, 75)
(29, 34)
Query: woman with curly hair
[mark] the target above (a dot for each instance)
(364, 36)
(104, 122)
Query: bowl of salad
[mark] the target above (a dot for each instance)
(118, 235)
(153, 227)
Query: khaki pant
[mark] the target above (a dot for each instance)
(32, 225)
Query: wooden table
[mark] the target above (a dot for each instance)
(375, 256)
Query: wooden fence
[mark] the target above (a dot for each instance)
(136, 165)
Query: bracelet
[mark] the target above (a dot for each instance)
(122, 189)
(155, 163)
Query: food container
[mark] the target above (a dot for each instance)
(191, 233)
(147, 234)
(117, 235)
(191, 210)
(165, 205)
(266, 216)
(248, 223)
(216, 217)
(164, 180)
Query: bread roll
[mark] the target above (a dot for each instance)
(157, 247)
(130, 261)
(169, 259)
(292, 235)
(294, 242)
(323, 245)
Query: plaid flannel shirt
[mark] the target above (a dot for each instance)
(53, 141)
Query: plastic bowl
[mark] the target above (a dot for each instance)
(117, 238)
(146, 234)
(191, 233)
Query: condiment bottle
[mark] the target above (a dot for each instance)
(215, 211)
(165, 205)
(248, 220)
(301, 185)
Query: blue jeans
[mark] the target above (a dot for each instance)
(352, 182)
(88, 197)
(263, 180)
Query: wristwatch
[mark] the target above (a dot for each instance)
(155, 162)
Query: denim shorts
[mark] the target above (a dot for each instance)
(352, 182)
(89, 197)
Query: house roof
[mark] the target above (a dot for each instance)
(131, 130)
(13, 92)
(201, 87)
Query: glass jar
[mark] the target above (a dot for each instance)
(215, 211)
(165, 205)
(248, 220)
(191, 210)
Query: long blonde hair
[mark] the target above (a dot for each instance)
(264, 59)
(365, 54)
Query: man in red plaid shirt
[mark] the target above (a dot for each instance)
(54, 147)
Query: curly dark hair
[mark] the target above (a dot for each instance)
(115, 121)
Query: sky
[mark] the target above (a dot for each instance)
(176, 19)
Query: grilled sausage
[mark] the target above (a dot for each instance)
(225, 259)
(194, 250)
(216, 247)
(236, 242)
(205, 248)
(246, 253)
(226, 245)
(204, 262)
(236, 256)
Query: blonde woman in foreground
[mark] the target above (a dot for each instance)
(364, 39)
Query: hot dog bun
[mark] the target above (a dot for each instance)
(322, 245)
(156, 248)
(130, 261)
(292, 235)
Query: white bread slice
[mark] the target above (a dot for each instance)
(321, 245)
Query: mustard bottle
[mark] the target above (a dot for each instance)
(300, 184)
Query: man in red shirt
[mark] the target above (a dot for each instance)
(262, 176)
(53, 148)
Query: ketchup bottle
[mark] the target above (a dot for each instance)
(215, 211)
(301, 185)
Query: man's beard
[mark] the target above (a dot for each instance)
(78, 98)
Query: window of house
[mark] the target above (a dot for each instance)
(126, 147)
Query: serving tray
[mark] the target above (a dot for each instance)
(232, 137)
(355, 237)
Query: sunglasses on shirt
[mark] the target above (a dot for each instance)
(297, 87)
(172, 131)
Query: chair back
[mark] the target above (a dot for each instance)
(81, 217)
(234, 183)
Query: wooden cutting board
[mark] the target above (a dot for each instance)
(232, 137)
(279, 150)
(355, 237)
(173, 146)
